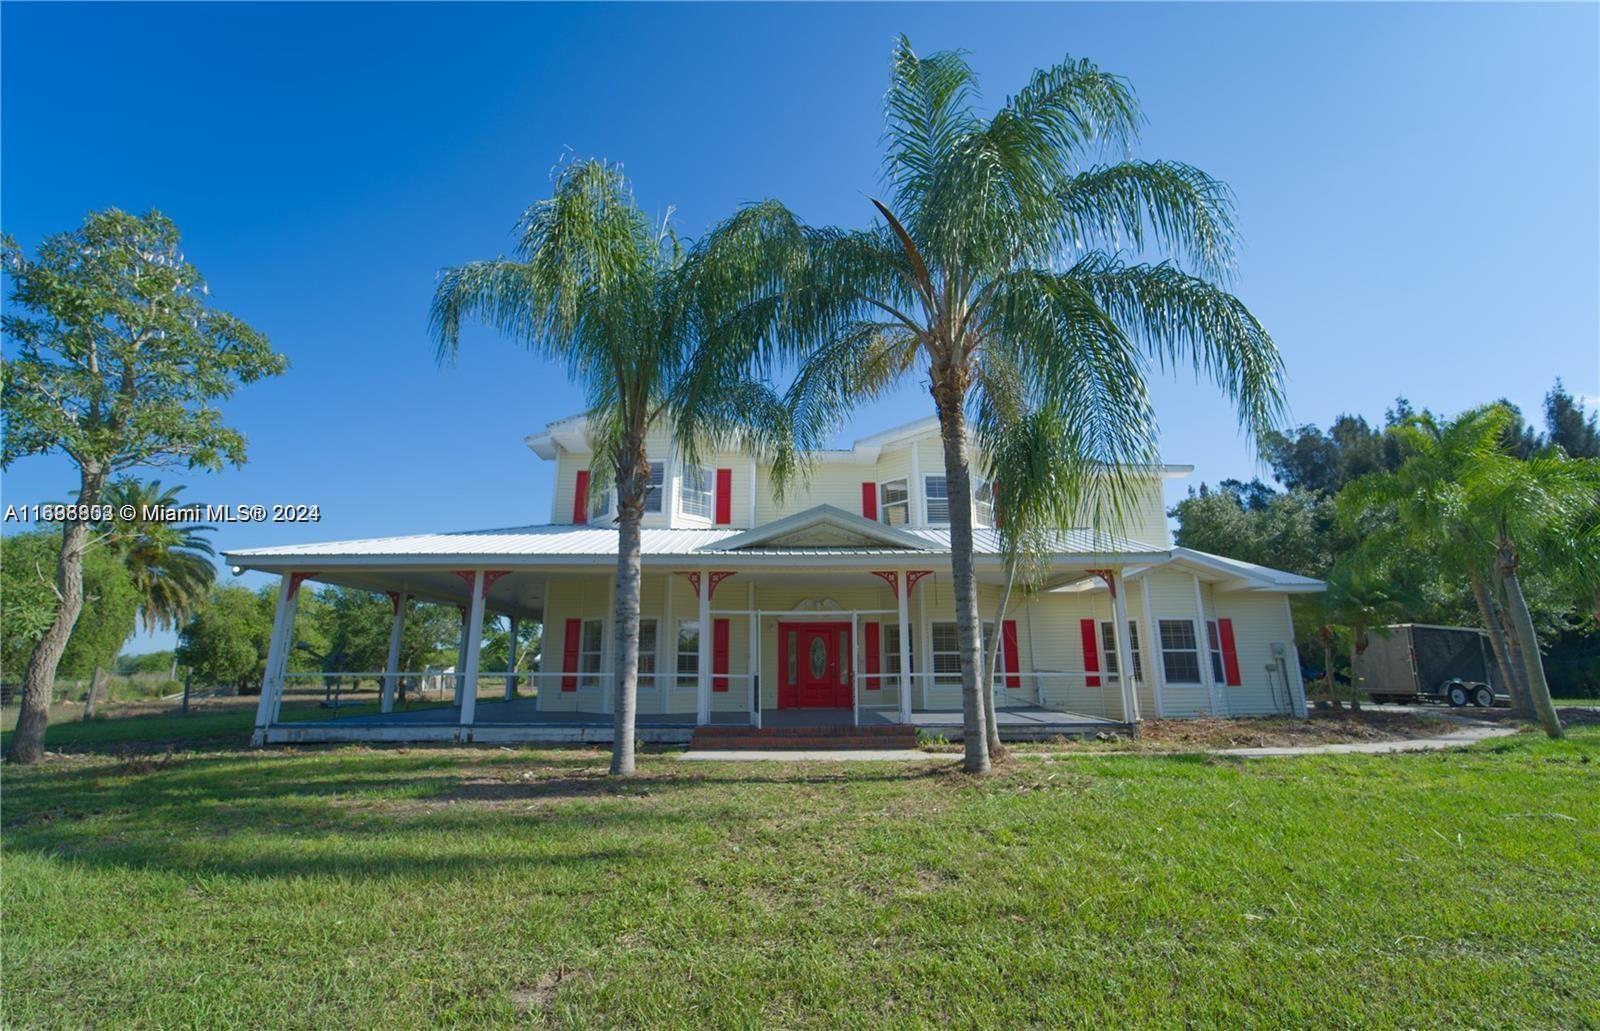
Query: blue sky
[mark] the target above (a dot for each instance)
(1418, 188)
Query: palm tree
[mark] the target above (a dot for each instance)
(171, 562)
(1008, 265)
(1460, 491)
(594, 284)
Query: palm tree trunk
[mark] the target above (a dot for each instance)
(1519, 661)
(991, 660)
(949, 393)
(631, 486)
(1497, 643)
(1522, 629)
(27, 741)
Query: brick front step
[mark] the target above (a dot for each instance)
(736, 738)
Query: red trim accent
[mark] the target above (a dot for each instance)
(870, 656)
(1090, 632)
(869, 501)
(569, 657)
(889, 577)
(1107, 576)
(724, 497)
(719, 655)
(694, 581)
(787, 692)
(295, 580)
(716, 579)
(1008, 650)
(1230, 653)
(580, 498)
(394, 601)
(490, 576)
(913, 576)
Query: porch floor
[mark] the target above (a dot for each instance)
(520, 720)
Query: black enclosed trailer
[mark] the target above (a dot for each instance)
(1410, 662)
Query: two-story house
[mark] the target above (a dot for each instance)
(829, 605)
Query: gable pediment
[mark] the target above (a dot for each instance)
(823, 526)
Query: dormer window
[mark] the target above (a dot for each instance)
(696, 491)
(604, 504)
(894, 503)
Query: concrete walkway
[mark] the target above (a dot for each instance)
(1468, 734)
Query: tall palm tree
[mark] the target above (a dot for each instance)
(595, 284)
(1462, 492)
(1009, 261)
(171, 561)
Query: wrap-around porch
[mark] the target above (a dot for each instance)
(806, 645)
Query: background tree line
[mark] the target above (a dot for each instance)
(1315, 521)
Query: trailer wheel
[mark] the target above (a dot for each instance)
(1458, 695)
(1482, 697)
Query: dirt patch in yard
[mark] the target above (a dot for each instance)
(1321, 728)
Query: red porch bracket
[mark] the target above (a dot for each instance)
(892, 578)
(913, 576)
(489, 577)
(1108, 576)
(717, 576)
(394, 601)
(295, 580)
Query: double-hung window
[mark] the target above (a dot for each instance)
(1108, 645)
(696, 490)
(983, 503)
(652, 493)
(589, 652)
(647, 653)
(688, 667)
(894, 503)
(935, 500)
(1180, 652)
(891, 652)
(947, 652)
(604, 503)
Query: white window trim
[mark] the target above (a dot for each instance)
(1167, 677)
(679, 677)
(707, 474)
(1219, 668)
(1112, 672)
(905, 502)
(927, 511)
(648, 654)
(594, 677)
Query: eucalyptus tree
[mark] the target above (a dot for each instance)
(1018, 247)
(170, 559)
(595, 284)
(119, 362)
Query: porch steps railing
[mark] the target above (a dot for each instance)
(890, 736)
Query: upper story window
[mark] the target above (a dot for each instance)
(894, 503)
(696, 491)
(936, 500)
(983, 502)
(605, 503)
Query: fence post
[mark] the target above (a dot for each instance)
(187, 677)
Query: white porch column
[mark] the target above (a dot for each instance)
(1155, 666)
(1203, 646)
(391, 665)
(703, 685)
(474, 644)
(753, 651)
(666, 649)
(1119, 631)
(903, 603)
(511, 660)
(461, 657)
(277, 645)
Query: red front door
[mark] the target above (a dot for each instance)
(814, 666)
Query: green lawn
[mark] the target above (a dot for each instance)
(392, 887)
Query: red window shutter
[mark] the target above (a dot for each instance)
(580, 498)
(724, 497)
(869, 500)
(1008, 650)
(569, 658)
(1091, 650)
(719, 654)
(869, 645)
(1230, 653)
